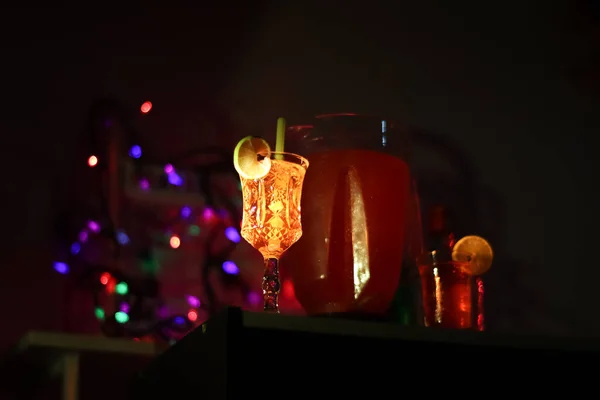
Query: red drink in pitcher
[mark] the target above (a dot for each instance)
(349, 258)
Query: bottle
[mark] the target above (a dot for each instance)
(440, 236)
(406, 307)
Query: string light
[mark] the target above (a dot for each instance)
(122, 238)
(254, 298)
(94, 226)
(99, 313)
(172, 176)
(232, 234)
(192, 315)
(61, 267)
(230, 268)
(193, 301)
(146, 107)
(208, 214)
(111, 286)
(105, 278)
(186, 212)
(75, 248)
(174, 242)
(135, 151)
(121, 317)
(121, 288)
(93, 161)
(144, 184)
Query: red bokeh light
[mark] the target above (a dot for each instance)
(146, 107)
(192, 315)
(105, 278)
(111, 286)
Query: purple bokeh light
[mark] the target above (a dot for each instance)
(135, 151)
(208, 213)
(61, 267)
(230, 268)
(75, 248)
(254, 298)
(186, 212)
(193, 301)
(232, 234)
(144, 184)
(175, 179)
(94, 226)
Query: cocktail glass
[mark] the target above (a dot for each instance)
(271, 216)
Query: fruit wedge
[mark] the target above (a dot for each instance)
(480, 251)
(252, 157)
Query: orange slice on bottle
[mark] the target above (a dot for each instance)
(480, 251)
(252, 157)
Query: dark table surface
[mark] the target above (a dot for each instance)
(237, 354)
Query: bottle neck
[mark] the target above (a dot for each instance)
(440, 236)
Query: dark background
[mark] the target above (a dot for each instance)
(514, 85)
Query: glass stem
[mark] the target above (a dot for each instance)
(271, 285)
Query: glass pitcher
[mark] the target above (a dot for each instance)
(355, 215)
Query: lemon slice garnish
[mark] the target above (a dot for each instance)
(252, 157)
(480, 251)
